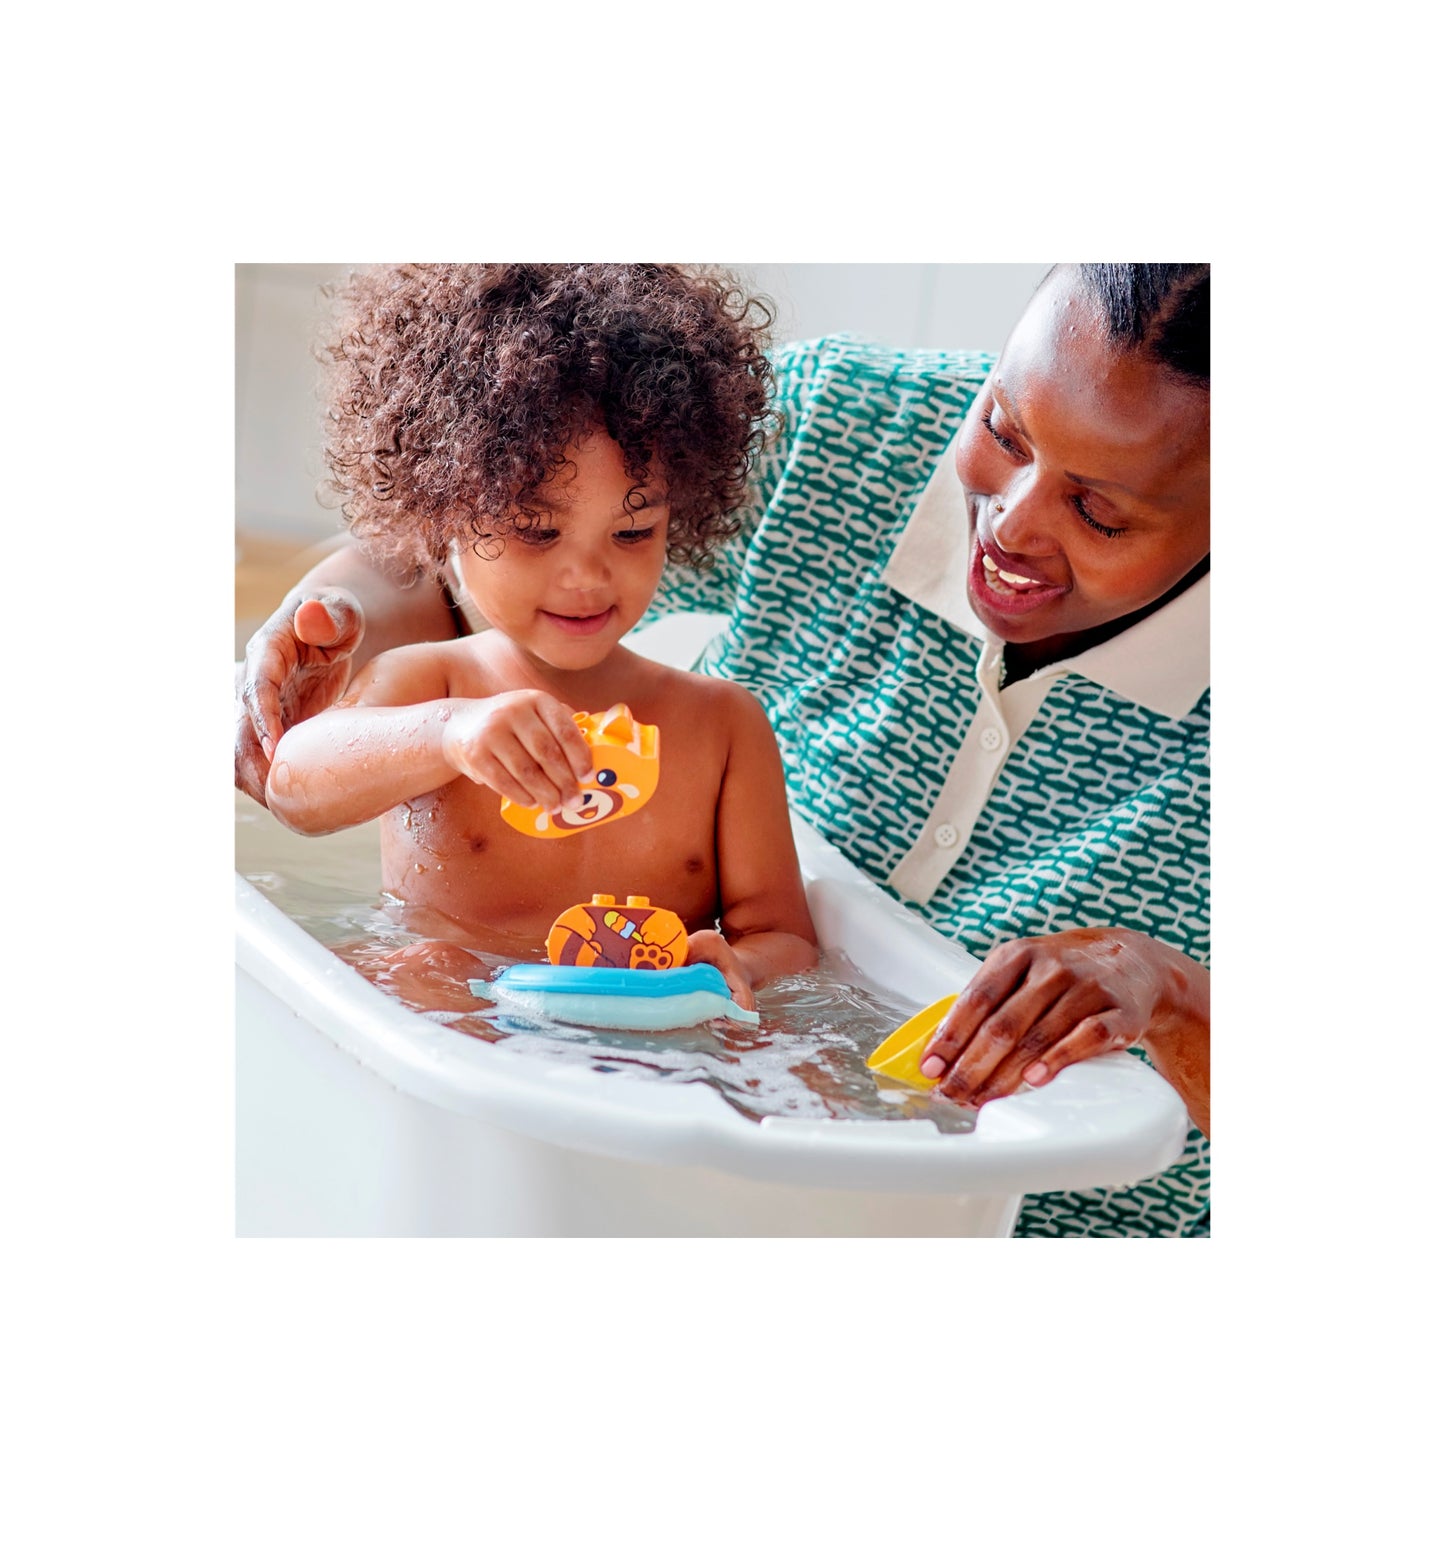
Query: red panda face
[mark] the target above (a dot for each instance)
(625, 769)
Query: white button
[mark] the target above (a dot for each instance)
(946, 835)
(990, 739)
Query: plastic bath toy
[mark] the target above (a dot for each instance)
(900, 1054)
(640, 1000)
(599, 934)
(616, 966)
(625, 767)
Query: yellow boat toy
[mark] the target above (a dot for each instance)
(901, 1053)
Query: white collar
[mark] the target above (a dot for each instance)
(1162, 662)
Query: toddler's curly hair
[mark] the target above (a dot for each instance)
(453, 391)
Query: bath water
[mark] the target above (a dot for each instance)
(806, 1058)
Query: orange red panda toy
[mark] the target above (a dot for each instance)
(625, 768)
(600, 934)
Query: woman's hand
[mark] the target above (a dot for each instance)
(1043, 1003)
(524, 744)
(296, 665)
(710, 946)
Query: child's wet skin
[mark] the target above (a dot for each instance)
(433, 738)
(667, 849)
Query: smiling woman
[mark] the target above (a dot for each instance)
(1024, 761)
(1087, 495)
(972, 599)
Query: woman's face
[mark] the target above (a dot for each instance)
(1087, 476)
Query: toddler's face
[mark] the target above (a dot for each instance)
(570, 587)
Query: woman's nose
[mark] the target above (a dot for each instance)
(1020, 527)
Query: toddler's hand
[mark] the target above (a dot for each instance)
(710, 946)
(523, 744)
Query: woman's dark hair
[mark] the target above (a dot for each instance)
(1159, 307)
(454, 390)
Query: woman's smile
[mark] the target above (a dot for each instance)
(1005, 589)
(1007, 584)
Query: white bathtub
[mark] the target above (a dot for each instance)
(356, 1116)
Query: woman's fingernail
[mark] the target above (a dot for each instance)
(933, 1066)
(1036, 1074)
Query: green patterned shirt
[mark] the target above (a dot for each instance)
(1077, 797)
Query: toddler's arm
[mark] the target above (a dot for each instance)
(398, 733)
(766, 928)
(340, 614)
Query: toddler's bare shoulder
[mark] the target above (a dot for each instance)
(467, 664)
(730, 708)
(410, 674)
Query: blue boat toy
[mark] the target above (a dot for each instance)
(640, 1000)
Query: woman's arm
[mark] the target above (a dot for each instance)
(383, 743)
(1045, 1002)
(1177, 1037)
(767, 930)
(341, 614)
(393, 615)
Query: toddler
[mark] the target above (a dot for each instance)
(561, 432)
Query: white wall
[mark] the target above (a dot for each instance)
(279, 307)
(916, 305)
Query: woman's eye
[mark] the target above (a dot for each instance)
(1002, 440)
(1098, 527)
